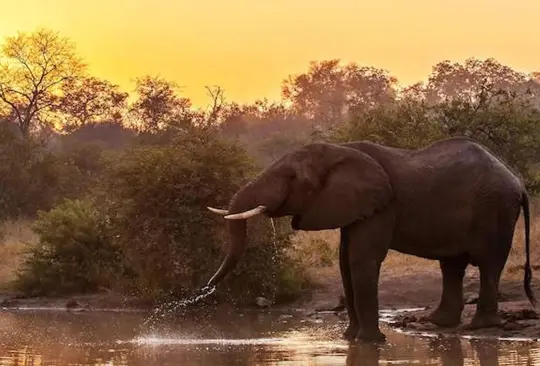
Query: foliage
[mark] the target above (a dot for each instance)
(90, 100)
(170, 242)
(466, 82)
(509, 126)
(32, 178)
(267, 129)
(33, 69)
(405, 124)
(505, 122)
(105, 134)
(157, 104)
(74, 252)
(155, 163)
(327, 89)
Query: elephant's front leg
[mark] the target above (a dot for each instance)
(369, 241)
(344, 266)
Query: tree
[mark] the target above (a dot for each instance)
(90, 100)
(33, 69)
(328, 91)
(406, 123)
(158, 104)
(267, 129)
(467, 81)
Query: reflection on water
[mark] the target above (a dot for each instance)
(251, 338)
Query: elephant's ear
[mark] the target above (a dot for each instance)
(353, 188)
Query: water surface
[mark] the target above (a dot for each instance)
(39, 337)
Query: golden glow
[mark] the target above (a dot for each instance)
(249, 46)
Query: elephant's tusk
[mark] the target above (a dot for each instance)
(247, 214)
(218, 211)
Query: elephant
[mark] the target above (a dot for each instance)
(453, 201)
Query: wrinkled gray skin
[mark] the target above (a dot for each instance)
(452, 201)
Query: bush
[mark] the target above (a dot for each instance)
(405, 124)
(32, 178)
(157, 198)
(74, 253)
(154, 237)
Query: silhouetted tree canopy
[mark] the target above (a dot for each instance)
(158, 104)
(328, 90)
(89, 100)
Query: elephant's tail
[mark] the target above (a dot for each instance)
(528, 271)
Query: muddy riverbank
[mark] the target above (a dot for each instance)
(412, 290)
(422, 291)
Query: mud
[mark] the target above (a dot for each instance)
(419, 290)
(422, 291)
(518, 321)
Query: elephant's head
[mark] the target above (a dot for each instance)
(323, 186)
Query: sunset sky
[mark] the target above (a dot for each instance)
(249, 46)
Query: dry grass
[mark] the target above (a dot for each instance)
(15, 237)
(516, 259)
(307, 247)
(317, 250)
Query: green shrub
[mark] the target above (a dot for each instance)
(32, 178)
(157, 198)
(74, 253)
(406, 124)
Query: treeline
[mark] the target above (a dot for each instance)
(121, 188)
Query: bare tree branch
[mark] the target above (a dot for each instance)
(34, 67)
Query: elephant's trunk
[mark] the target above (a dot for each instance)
(237, 230)
(262, 195)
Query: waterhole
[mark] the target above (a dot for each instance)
(47, 337)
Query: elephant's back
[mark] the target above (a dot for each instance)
(442, 191)
(461, 162)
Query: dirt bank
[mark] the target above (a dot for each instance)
(411, 289)
(519, 317)
(422, 290)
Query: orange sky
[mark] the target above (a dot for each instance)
(249, 46)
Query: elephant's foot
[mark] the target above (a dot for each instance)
(484, 321)
(374, 335)
(445, 318)
(351, 332)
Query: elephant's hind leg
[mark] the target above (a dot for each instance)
(491, 264)
(448, 313)
(487, 307)
(353, 328)
(486, 314)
